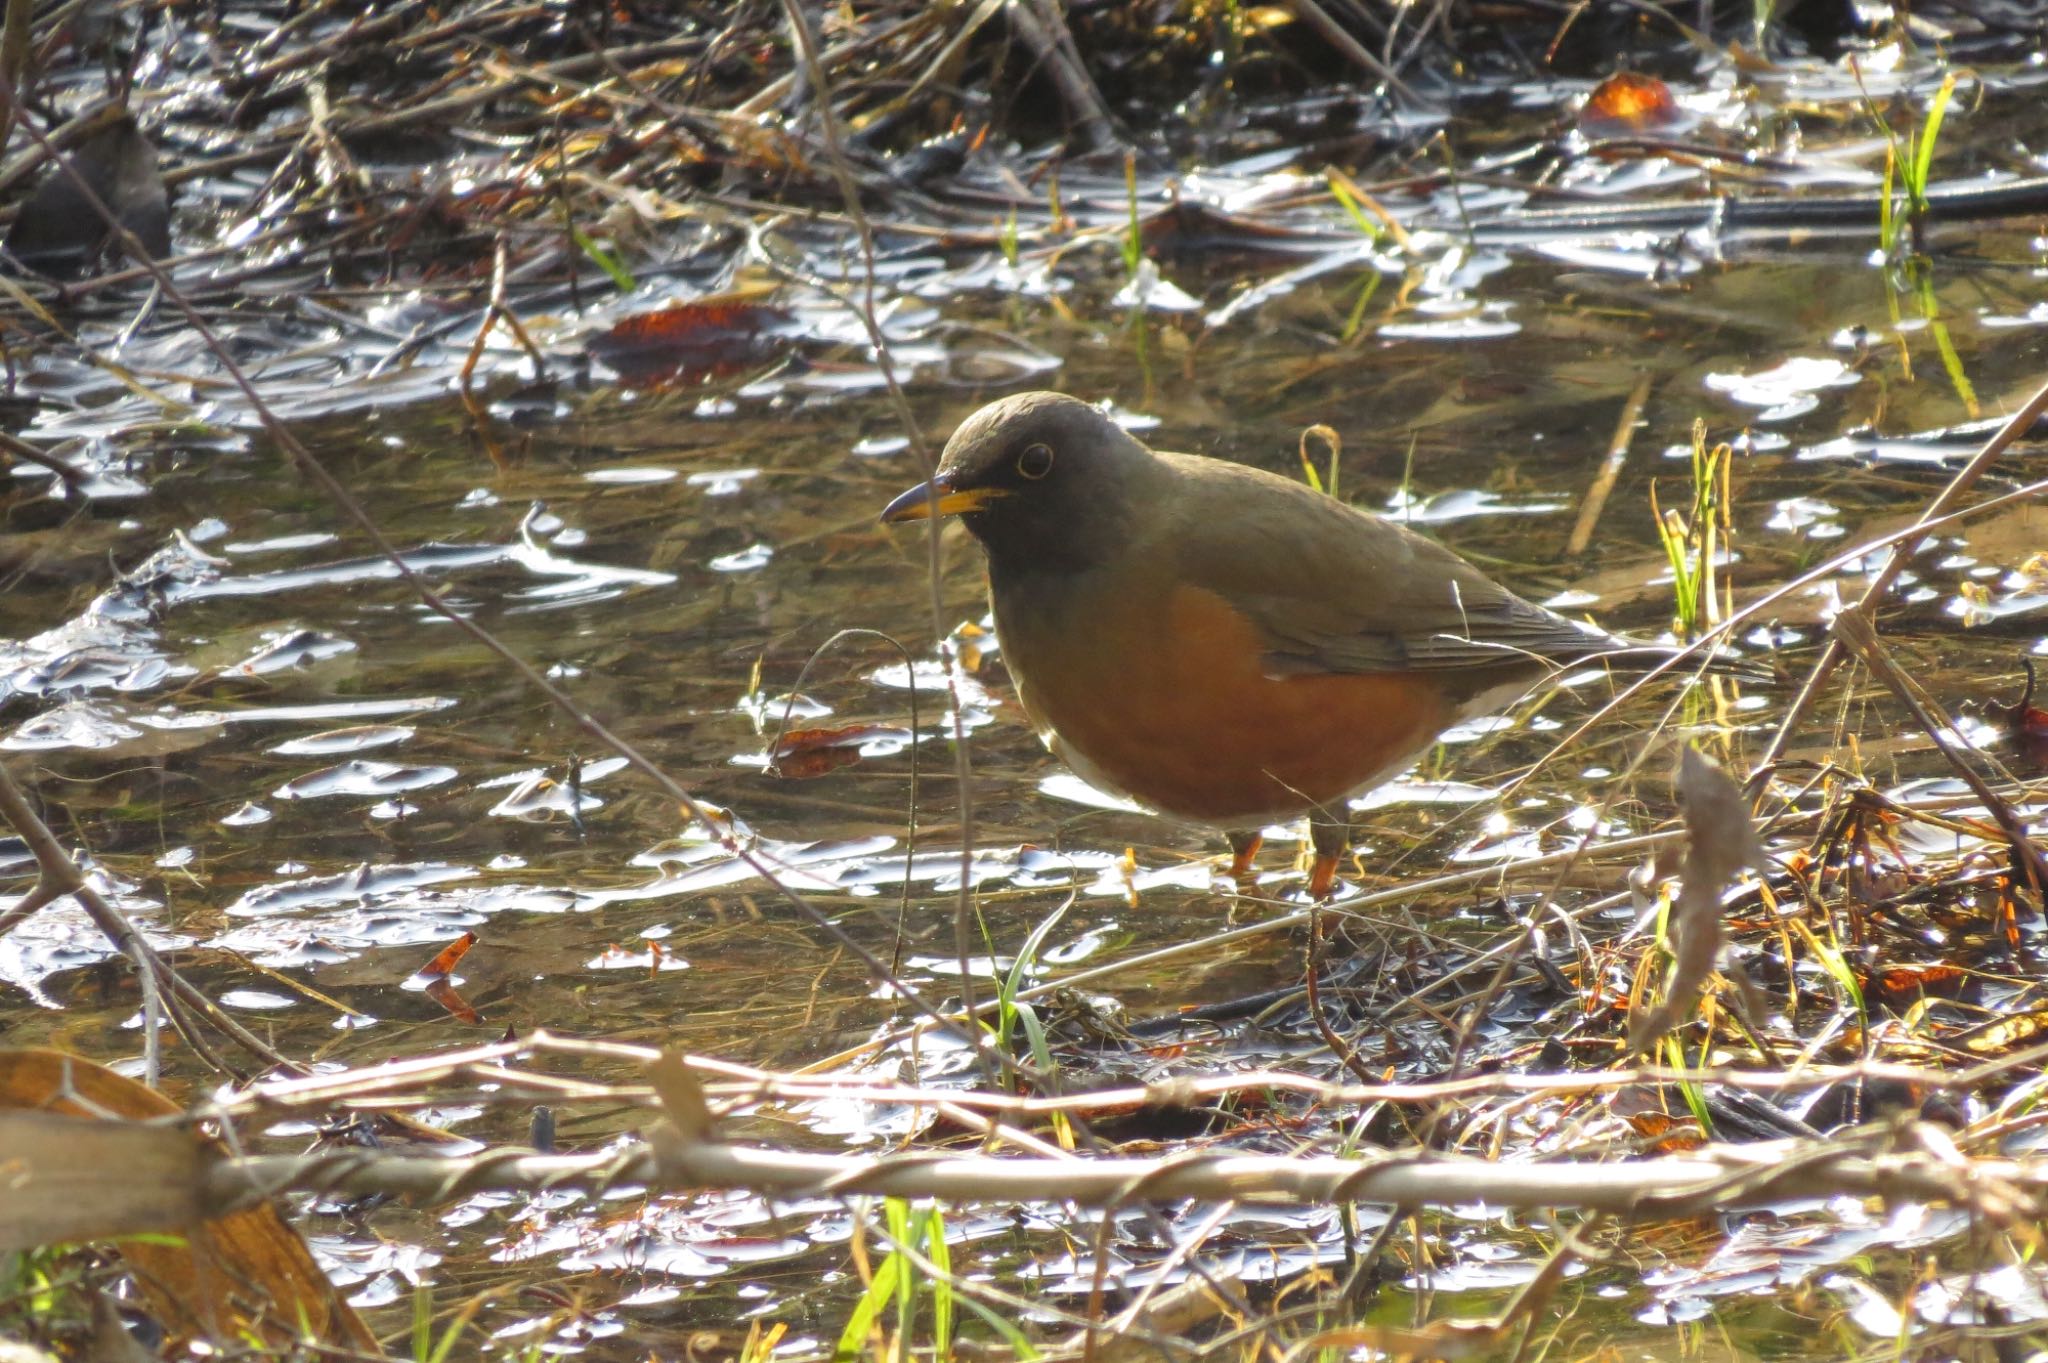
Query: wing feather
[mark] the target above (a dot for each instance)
(1336, 589)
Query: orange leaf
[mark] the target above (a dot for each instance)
(1626, 103)
(688, 340)
(1669, 1134)
(445, 960)
(1900, 986)
(443, 993)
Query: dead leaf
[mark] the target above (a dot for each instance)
(1668, 1135)
(1629, 104)
(446, 959)
(2004, 1035)
(444, 993)
(682, 1098)
(1901, 986)
(804, 754)
(246, 1273)
(1721, 843)
(710, 336)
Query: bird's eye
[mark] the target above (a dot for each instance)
(1035, 462)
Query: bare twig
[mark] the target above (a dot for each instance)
(480, 1076)
(1853, 628)
(1610, 469)
(1046, 35)
(58, 875)
(14, 447)
(1332, 32)
(1904, 547)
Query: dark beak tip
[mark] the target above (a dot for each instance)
(911, 504)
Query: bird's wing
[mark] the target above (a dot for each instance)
(1335, 589)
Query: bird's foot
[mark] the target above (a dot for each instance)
(1331, 840)
(1244, 853)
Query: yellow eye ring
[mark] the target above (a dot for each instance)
(1034, 462)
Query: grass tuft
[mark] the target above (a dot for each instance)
(1693, 539)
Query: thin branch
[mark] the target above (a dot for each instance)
(1903, 548)
(59, 875)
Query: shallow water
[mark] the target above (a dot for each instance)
(287, 768)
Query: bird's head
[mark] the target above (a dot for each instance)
(1044, 481)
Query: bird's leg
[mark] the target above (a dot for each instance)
(1244, 850)
(1331, 838)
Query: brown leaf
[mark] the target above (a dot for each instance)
(804, 754)
(246, 1273)
(1721, 843)
(682, 1097)
(1900, 986)
(2006, 1034)
(1668, 1135)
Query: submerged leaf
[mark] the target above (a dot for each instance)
(803, 754)
(709, 336)
(1628, 103)
(60, 231)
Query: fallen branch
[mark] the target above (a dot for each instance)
(733, 1087)
(1714, 1179)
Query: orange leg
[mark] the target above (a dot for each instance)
(1330, 840)
(1244, 853)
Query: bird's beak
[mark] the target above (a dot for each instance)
(936, 499)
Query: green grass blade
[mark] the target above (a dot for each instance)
(867, 1310)
(896, 1214)
(1354, 209)
(1357, 318)
(1134, 234)
(1930, 132)
(1034, 1032)
(603, 259)
(422, 1322)
(1014, 1337)
(941, 1255)
(1694, 1098)
(1027, 955)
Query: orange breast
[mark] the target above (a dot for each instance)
(1172, 705)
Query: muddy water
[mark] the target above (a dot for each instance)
(286, 767)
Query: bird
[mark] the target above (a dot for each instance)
(1227, 647)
